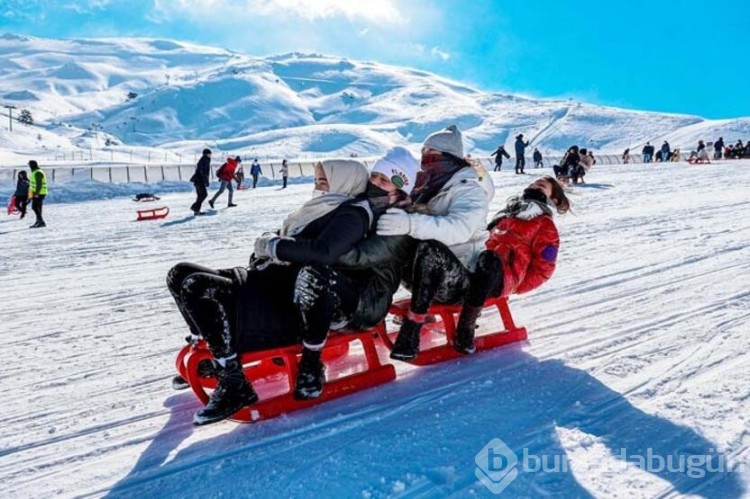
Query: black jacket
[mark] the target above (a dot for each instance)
(202, 172)
(266, 314)
(324, 240)
(22, 188)
(378, 264)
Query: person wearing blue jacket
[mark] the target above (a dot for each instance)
(520, 151)
(255, 171)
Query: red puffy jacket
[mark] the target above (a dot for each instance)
(528, 250)
(226, 171)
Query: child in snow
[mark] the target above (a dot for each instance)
(521, 252)
(22, 192)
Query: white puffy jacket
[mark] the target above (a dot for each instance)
(458, 215)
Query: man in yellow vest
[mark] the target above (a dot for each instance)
(38, 191)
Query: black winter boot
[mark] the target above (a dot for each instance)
(467, 324)
(310, 376)
(232, 393)
(406, 346)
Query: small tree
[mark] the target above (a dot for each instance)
(132, 95)
(25, 117)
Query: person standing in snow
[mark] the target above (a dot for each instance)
(255, 171)
(284, 172)
(665, 152)
(537, 156)
(200, 180)
(225, 174)
(38, 191)
(239, 174)
(292, 291)
(448, 217)
(521, 253)
(520, 153)
(648, 152)
(626, 156)
(21, 195)
(499, 153)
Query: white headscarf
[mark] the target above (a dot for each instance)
(346, 179)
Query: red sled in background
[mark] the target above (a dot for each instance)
(153, 214)
(354, 361)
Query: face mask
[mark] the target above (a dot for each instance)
(373, 191)
(316, 193)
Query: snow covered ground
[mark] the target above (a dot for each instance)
(639, 342)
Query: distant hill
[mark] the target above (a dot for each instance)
(185, 96)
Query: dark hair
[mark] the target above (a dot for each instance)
(562, 203)
(33, 164)
(22, 174)
(206, 151)
(583, 151)
(459, 161)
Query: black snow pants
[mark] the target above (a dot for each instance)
(438, 276)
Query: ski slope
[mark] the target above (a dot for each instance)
(639, 342)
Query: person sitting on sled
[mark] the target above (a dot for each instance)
(521, 252)
(451, 201)
(290, 293)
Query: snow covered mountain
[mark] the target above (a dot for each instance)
(87, 94)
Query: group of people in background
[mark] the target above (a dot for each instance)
(700, 154)
(335, 263)
(230, 171)
(520, 147)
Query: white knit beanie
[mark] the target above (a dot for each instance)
(400, 167)
(448, 140)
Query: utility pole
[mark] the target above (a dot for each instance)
(10, 116)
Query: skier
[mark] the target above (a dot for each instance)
(499, 153)
(448, 217)
(290, 293)
(200, 180)
(225, 174)
(521, 252)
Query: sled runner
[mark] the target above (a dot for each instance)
(12, 210)
(153, 214)
(352, 364)
(353, 361)
(437, 338)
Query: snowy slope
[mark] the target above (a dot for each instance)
(190, 96)
(640, 341)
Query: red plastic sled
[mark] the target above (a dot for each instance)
(352, 364)
(353, 361)
(153, 214)
(437, 339)
(12, 210)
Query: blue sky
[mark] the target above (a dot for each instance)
(685, 56)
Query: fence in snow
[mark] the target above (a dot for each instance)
(148, 174)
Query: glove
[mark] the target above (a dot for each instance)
(394, 222)
(265, 245)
